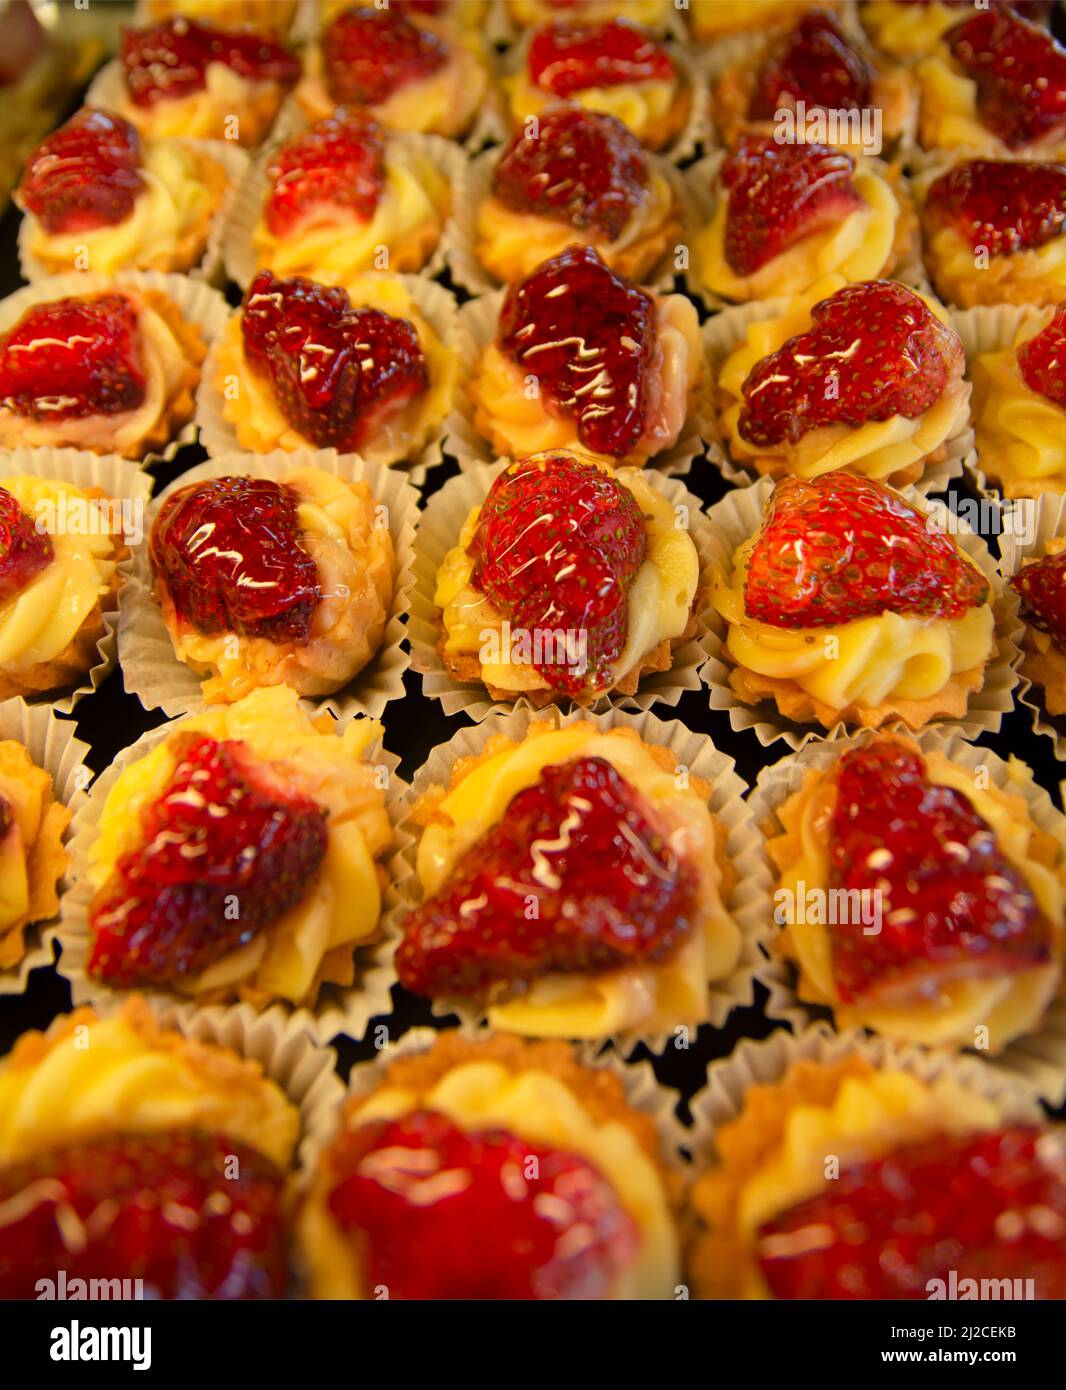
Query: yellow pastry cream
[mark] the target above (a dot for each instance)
(250, 405)
(227, 107)
(340, 546)
(1044, 659)
(774, 1154)
(659, 598)
(32, 857)
(713, 19)
(451, 1096)
(274, 15)
(312, 942)
(647, 995)
(899, 447)
(653, 13)
(908, 30)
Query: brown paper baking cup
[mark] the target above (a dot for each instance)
(339, 1009)
(52, 744)
(438, 531)
(726, 331)
(748, 903)
(1036, 1061)
(739, 515)
(152, 671)
(119, 479)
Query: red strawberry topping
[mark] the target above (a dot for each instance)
(557, 547)
(779, 194)
(330, 171)
(840, 547)
(170, 60)
(24, 551)
(192, 1215)
(1002, 205)
(565, 58)
(444, 1214)
(69, 358)
(980, 1206)
(1042, 360)
(228, 551)
(1020, 72)
(224, 851)
(85, 175)
(815, 63)
(337, 372)
(588, 337)
(583, 167)
(1042, 586)
(585, 849)
(873, 350)
(370, 53)
(952, 906)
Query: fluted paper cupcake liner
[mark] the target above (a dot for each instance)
(477, 323)
(53, 746)
(727, 331)
(436, 305)
(438, 532)
(748, 902)
(119, 479)
(1036, 1061)
(338, 1009)
(152, 671)
(740, 514)
(198, 302)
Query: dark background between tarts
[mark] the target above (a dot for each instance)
(109, 720)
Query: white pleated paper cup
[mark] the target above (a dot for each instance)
(1036, 1061)
(739, 515)
(439, 527)
(150, 667)
(120, 480)
(748, 902)
(53, 745)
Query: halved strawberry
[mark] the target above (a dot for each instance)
(1020, 72)
(193, 1215)
(1042, 360)
(816, 63)
(1042, 586)
(565, 58)
(67, 358)
(841, 547)
(170, 60)
(952, 906)
(1001, 204)
(223, 852)
(24, 550)
(369, 53)
(578, 875)
(989, 1205)
(85, 175)
(873, 350)
(339, 163)
(779, 194)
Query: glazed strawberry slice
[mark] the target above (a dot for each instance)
(1042, 360)
(334, 169)
(1020, 72)
(338, 373)
(370, 53)
(587, 336)
(586, 849)
(68, 358)
(192, 1215)
(228, 551)
(1042, 586)
(582, 167)
(989, 1205)
(779, 194)
(841, 547)
(952, 906)
(873, 350)
(170, 60)
(566, 58)
(223, 852)
(557, 547)
(85, 175)
(816, 63)
(440, 1213)
(24, 551)
(999, 204)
